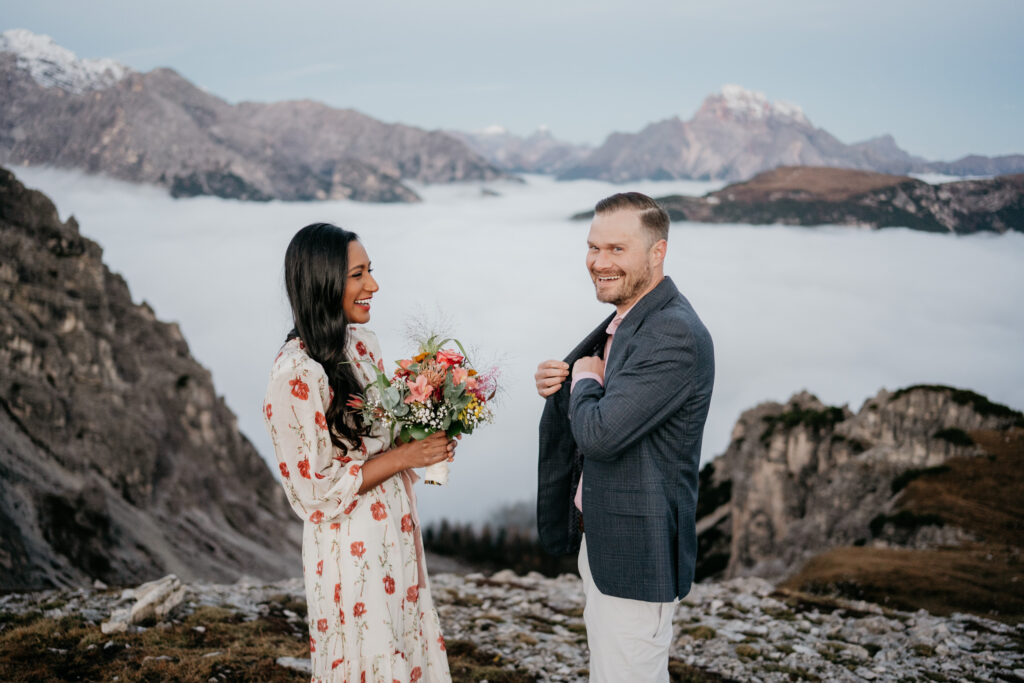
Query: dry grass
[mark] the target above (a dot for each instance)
(981, 494)
(37, 649)
(811, 182)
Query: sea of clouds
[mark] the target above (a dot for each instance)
(839, 311)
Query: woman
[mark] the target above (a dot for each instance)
(371, 617)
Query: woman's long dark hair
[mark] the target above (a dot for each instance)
(315, 273)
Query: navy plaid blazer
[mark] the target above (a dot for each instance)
(640, 438)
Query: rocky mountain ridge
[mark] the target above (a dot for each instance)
(738, 133)
(159, 128)
(502, 627)
(118, 460)
(815, 196)
(539, 152)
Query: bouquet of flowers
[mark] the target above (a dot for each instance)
(436, 389)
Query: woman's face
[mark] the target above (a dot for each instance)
(360, 285)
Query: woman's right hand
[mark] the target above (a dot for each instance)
(434, 448)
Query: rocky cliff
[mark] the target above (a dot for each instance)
(118, 460)
(737, 133)
(157, 127)
(801, 478)
(811, 196)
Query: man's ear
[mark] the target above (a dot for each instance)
(658, 250)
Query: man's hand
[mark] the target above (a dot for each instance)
(589, 364)
(549, 376)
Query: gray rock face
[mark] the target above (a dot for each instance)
(803, 477)
(539, 152)
(737, 133)
(158, 128)
(118, 460)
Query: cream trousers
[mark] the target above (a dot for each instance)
(629, 639)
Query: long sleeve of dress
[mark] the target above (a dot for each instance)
(322, 482)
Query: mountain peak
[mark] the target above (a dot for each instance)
(53, 66)
(735, 101)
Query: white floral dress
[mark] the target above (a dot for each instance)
(369, 617)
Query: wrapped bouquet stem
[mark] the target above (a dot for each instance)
(436, 390)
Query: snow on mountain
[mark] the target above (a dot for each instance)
(752, 104)
(53, 66)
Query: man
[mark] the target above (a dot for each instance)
(631, 421)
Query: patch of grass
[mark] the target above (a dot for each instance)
(955, 436)
(681, 672)
(700, 632)
(905, 519)
(746, 651)
(47, 649)
(815, 420)
(904, 478)
(975, 579)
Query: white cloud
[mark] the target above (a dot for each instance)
(839, 311)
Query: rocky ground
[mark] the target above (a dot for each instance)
(501, 627)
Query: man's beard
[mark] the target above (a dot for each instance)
(632, 286)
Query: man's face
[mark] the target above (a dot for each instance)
(619, 257)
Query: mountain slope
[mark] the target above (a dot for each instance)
(737, 133)
(159, 128)
(118, 460)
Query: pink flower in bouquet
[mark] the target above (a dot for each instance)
(449, 358)
(419, 391)
(355, 402)
(459, 375)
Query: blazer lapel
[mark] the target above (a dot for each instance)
(652, 301)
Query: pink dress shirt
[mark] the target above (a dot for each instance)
(577, 376)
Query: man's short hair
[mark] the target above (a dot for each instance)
(652, 216)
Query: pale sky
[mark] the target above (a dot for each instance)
(943, 77)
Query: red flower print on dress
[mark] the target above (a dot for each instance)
(320, 568)
(300, 389)
(319, 476)
(361, 348)
(284, 469)
(335, 526)
(389, 585)
(341, 615)
(268, 410)
(358, 610)
(304, 467)
(351, 507)
(321, 626)
(354, 470)
(440, 642)
(337, 592)
(407, 523)
(413, 594)
(358, 549)
(336, 662)
(302, 345)
(312, 644)
(378, 511)
(362, 447)
(321, 421)
(362, 677)
(316, 517)
(380, 364)
(416, 674)
(343, 459)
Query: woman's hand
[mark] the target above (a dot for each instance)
(434, 448)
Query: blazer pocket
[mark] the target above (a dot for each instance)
(634, 503)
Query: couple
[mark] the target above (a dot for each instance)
(620, 438)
